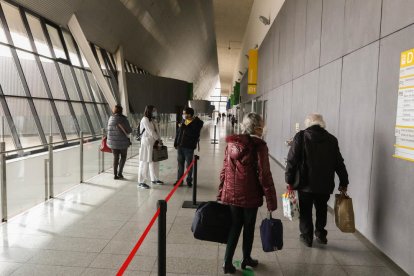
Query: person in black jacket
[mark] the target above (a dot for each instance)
(186, 140)
(319, 153)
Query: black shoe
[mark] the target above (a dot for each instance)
(249, 262)
(120, 176)
(158, 182)
(189, 184)
(322, 240)
(306, 240)
(228, 268)
(116, 177)
(143, 186)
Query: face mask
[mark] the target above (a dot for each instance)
(184, 117)
(154, 114)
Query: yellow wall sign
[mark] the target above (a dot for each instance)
(252, 73)
(251, 89)
(404, 127)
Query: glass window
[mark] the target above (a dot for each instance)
(69, 82)
(104, 112)
(24, 122)
(84, 61)
(109, 81)
(101, 60)
(94, 117)
(83, 85)
(70, 44)
(32, 74)
(94, 87)
(3, 37)
(9, 77)
(111, 56)
(16, 26)
(47, 119)
(66, 119)
(5, 133)
(56, 42)
(38, 35)
(102, 95)
(81, 116)
(53, 78)
(126, 66)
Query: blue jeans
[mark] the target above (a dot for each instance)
(185, 155)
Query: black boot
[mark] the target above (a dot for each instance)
(249, 262)
(228, 268)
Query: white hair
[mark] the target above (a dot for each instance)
(314, 119)
(250, 122)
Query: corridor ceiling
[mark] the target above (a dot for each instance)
(169, 38)
(231, 17)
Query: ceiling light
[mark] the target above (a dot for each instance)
(247, 56)
(264, 20)
(240, 72)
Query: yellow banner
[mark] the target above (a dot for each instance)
(252, 73)
(407, 58)
(251, 89)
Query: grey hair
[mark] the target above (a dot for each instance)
(314, 119)
(250, 122)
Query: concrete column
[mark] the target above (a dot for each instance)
(83, 44)
(123, 91)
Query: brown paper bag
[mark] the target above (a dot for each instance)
(344, 213)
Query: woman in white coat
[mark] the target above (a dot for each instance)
(150, 136)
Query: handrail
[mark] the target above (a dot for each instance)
(54, 143)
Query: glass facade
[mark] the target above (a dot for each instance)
(132, 68)
(46, 86)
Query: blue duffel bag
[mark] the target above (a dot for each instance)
(212, 222)
(271, 233)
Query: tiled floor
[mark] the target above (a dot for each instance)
(90, 230)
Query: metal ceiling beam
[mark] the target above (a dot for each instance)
(123, 91)
(83, 44)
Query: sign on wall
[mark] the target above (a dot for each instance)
(404, 128)
(252, 73)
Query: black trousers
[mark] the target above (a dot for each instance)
(241, 218)
(306, 203)
(119, 153)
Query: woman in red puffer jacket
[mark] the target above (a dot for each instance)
(244, 180)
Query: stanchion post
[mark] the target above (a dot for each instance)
(162, 238)
(46, 179)
(3, 180)
(81, 156)
(103, 153)
(51, 192)
(196, 157)
(214, 141)
(193, 204)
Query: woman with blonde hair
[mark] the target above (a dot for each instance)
(244, 180)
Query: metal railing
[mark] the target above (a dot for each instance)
(49, 165)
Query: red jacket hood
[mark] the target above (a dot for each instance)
(238, 145)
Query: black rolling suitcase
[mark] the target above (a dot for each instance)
(271, 233)
(212, 222)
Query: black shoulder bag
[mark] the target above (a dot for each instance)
(300, 175)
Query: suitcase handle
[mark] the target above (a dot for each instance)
(269, 215)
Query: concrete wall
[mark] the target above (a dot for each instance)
(166, 94)
(341, 58)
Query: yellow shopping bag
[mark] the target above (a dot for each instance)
(344, 213)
